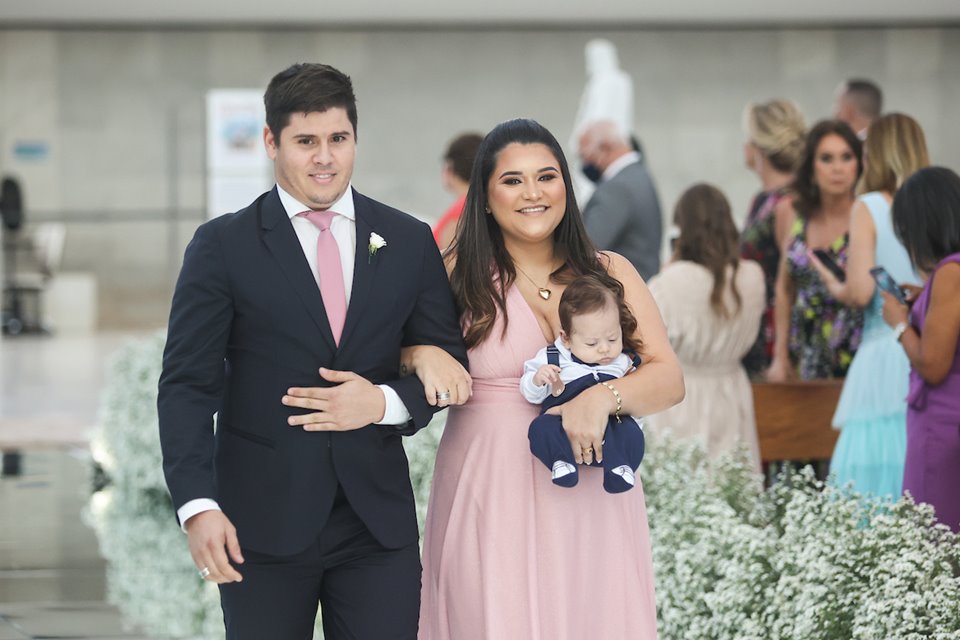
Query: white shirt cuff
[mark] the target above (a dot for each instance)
(193, 507)
(395, 412)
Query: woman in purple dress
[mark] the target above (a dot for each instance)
(926, 217)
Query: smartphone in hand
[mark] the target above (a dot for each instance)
(830, 264)
(886, 283)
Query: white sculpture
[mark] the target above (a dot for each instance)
(608, 95)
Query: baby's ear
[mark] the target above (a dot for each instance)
(564, 338)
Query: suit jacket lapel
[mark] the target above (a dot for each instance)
(281, 240)
(364, 267)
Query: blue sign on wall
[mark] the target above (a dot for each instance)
(31, 150)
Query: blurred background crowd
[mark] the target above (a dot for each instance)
(756, 168)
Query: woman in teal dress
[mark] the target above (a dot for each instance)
(816, 334)
(872, 413)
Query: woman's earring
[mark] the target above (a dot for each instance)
(487, 209)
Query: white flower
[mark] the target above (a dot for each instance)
(376, 243)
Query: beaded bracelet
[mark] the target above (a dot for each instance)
(617, 396)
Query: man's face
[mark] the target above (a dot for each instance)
(313, 158)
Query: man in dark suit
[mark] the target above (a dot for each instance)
(312, 285)
(623, 214)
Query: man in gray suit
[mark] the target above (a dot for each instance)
(623, 215)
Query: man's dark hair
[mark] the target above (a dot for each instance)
(307, 87)
(461, 153)
(926, 216)
(866, 96)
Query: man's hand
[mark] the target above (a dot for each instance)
(211, 536)
(355, 402)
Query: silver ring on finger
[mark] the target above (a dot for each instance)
(204, 573)
(443, 396)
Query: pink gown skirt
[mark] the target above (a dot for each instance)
(509, 555)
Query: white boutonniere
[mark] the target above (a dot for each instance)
(376, 243)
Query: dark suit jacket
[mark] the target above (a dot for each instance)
(247, 322)
(623, 215)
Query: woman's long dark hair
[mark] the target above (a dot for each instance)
(807, 193)
(709, 237)
(926, 216)
(484, 270)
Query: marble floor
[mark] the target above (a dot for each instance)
(52, 578)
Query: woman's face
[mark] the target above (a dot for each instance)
(526, 194)
(834, 166)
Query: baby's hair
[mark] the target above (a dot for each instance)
(587, 294)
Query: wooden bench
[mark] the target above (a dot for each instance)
(794, 419)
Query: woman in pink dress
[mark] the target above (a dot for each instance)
(508, 554)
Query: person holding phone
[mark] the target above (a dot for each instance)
(816, 334)
(926, 218)
(872, 412)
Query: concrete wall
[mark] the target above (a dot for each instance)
(122, 114)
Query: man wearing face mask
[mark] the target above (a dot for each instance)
(623, 215)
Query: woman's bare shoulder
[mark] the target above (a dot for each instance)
(619, 267)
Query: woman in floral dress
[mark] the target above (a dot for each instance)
(773, 151)
(816, 335)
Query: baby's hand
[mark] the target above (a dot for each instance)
(549, 374)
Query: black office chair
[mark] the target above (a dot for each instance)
(11, 212)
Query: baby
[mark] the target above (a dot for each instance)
(595, 322)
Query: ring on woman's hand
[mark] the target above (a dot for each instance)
(588, 450)
(443, 397)
(204, 573)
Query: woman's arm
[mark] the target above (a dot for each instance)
(783, 217)
(859, 286)
(780, 369)
(656, 385)
(439, 372)
(931, 355)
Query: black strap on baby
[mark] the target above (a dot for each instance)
(553, 355)
(634, 358)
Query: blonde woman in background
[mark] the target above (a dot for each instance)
(773, 151)
(711, 301)
(872, 412)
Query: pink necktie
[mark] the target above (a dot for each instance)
(329, 271)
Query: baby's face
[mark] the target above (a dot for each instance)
(596, 337)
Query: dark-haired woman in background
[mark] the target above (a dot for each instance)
(711, 302)
(872, 412)
(926, 217)
(773, 151)
(816, 335)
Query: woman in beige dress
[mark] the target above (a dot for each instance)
(711, 302)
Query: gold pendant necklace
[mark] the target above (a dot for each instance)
(543, 291)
